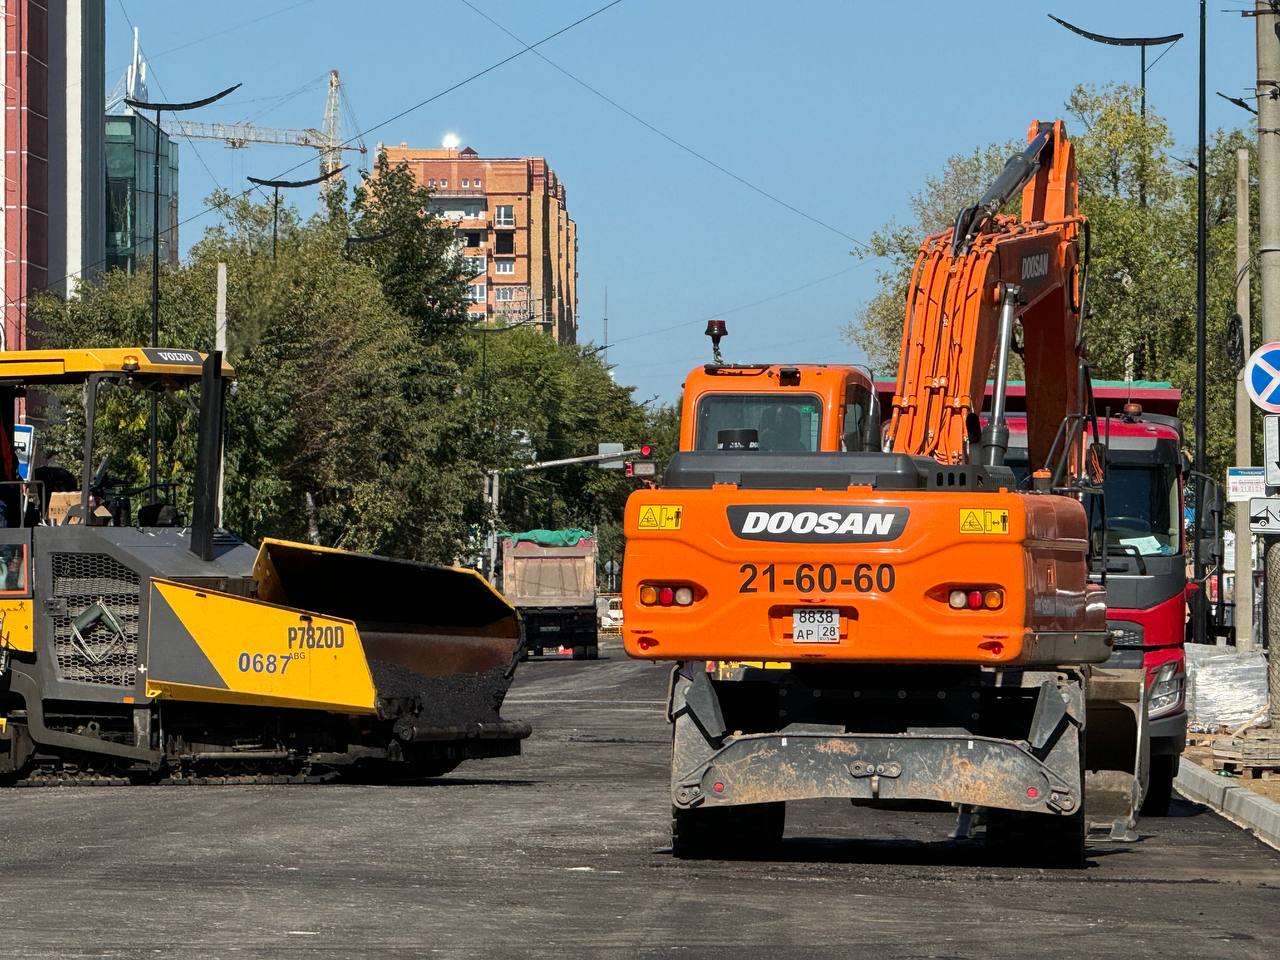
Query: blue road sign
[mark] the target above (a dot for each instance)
(1262, 377)
(24, 439)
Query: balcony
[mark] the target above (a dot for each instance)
(442, 192)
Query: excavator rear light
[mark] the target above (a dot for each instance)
(665, 595)
(975, 598)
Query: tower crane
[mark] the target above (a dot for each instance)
(327, 140)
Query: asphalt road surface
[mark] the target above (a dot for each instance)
(563, 852)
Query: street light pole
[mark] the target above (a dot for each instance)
(1141, 43)
(277, 186)
(1198, 622)
(136, 105)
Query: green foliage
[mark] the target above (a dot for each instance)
(877, 328)
(365, 411)
(1141, 206)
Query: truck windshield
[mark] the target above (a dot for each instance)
(784, 423)
(1142, 508)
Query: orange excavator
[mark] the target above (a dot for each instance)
(884, 611)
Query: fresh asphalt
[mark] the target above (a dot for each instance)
(563, 852)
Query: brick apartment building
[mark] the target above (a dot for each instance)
(54, 199)
(520, 245)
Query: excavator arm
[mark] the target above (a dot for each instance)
(969, 288)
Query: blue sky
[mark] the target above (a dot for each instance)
(840, 109)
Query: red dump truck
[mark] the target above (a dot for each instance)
(549, 576)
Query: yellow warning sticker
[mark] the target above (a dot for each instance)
(981, 520)
(660, 517)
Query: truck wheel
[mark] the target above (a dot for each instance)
(1036, 839)
(727, 833)
(593, 653)
(1160, 785)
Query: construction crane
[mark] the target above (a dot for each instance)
(327, 140)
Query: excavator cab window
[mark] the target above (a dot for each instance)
(783, 423)
(861, 419)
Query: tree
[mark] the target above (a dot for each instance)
(877, 328)
(1141, 281)
(366, 410)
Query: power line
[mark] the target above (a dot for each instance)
(223, 32)
(358, 136)
(194, 149)
(669, 138)
(744, 306)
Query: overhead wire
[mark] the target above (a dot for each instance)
(669, 138)
(208, 207)
(220, 33)
(744, 306)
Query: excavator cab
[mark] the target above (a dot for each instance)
(781, 408)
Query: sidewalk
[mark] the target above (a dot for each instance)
(1251, 804)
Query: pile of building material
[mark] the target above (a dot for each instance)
(1256, 756)
(1226, 690)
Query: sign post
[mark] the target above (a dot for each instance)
(1262, 380)
(1245, 483)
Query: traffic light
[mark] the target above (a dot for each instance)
(644, 465)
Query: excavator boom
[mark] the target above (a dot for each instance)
(969, 287)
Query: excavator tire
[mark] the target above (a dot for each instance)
(1159, 786)
(726, 833)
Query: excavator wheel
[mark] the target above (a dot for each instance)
(726, 833)
(1159, 786)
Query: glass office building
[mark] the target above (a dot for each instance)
(130, 149)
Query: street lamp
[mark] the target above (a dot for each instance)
(279, 185)
(155, 251)
(1141, 43)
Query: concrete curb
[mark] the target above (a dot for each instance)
(1238, 804)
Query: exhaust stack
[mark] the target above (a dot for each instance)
(208, 456)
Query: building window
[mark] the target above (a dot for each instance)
(504, 266)
(504, 293)
(476, 293)
(473, 238)
(504, 242)
(476, 184)
(443, 184)
(504, 215)
(465, 182)
(474, 266)
(432, 183)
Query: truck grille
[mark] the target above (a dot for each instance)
(103, 595)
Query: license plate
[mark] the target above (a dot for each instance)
(815, 624)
